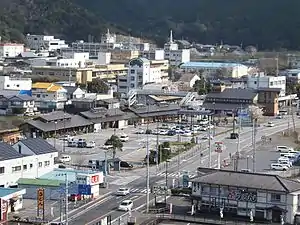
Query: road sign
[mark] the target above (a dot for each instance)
(84, 189)
(159, 190)
(219, 147)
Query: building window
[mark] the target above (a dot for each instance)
(24, 167)
(132, 85)
(38, 95)
(47, 163)
(2, 170)
(275, 197)
(132, 78)
(132, 71)
(16, 168)
(40, 164)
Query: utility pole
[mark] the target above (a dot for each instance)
(289, 112)
(254, 144)
(157, 148)
(67, 193)
(236, 165)
(178, 169)
(166, 182)
(148, 165)
(209, 144)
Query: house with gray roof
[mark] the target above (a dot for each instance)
(265, 196)
(103, 118)
(57, 122)
(17, 103)
(229, 100)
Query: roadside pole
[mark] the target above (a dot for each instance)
(209, 144)
(148, 165)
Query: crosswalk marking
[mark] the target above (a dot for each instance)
(139, 190)
(125, 180)
(174, 175)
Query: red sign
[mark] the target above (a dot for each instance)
(219, 147)
(95, 179)
(3, 210)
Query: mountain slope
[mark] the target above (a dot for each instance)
(61, 18)
(268, 23)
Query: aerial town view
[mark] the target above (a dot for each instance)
(149, 112)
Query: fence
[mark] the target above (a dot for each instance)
(196, 219)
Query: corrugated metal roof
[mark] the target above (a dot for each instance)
(8, 191)
(38, 146)
(215, 65)
(39, 182)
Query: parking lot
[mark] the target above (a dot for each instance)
(266, 153)
(133, 150)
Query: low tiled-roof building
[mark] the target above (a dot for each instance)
(266, 197)
(47, 125)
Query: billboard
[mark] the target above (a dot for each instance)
(3, 210)
(41, 202)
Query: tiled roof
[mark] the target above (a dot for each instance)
(187, 77)
(143, 109)
(101, 113)
(222, 106)
(56, 115)
(249, 180)
(8, 152)
(41, 85)
(233, 93)
(38, 146)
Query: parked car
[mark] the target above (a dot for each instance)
(278, 166)
(64, 158)
(140, 131)
(279, 116)
(125, 164)
(74, 197)
(282, 148)
(123, 191)
(124, 138)
(148, 131)
(91, 144)
(81, 143)
(171, 133)
(126, 205)
(234, 136)
(270, 124)
(107, 147)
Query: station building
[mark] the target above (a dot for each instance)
(263, 196)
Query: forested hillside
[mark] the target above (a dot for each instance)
(269, 24)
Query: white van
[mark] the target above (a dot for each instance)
(277, 166)
(284, 149)
(124, 138)
(284, 161)
(288, 155)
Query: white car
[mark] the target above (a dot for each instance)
(126, 205)
(206, 137)
(282, 148)
(107, 147)
(204, 128)
(278, 166)
(187, 133)
(163, 132)
(270, 124)
(124, 138)
(64, 158)
(91, 144)
(123, 191)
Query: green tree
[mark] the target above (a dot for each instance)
(97, 86)
(117, 144)
(202, 86)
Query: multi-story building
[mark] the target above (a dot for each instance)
(15, 84)
(292, 76)
(17, 104)
(261, 81)
(173, 54)
(42, 42)
(142, 71)
(49, 96)
(260, 196)
(28, 158)
(10, 49)
(234, 70)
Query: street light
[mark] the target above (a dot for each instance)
(66, 196)
(55, 123)
(167, 161)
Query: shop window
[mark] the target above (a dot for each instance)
(275, 197)
(40, 164)
(24, 167)
(47, 163)
(2, 170)
(30, 165)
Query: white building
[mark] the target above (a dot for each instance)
(29, 158)
(74, 60)
(109, 38)
(262, 196)
(49, 96)
(292, 75)
(235, 70)
(42, 42)
(173, 54)
(15, 84)
(10, 49)
(142, 71)
(261, 81)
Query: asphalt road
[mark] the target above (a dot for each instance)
(136, 181)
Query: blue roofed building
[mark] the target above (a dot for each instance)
(235, 70)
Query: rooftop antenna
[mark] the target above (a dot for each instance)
(171, 36)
